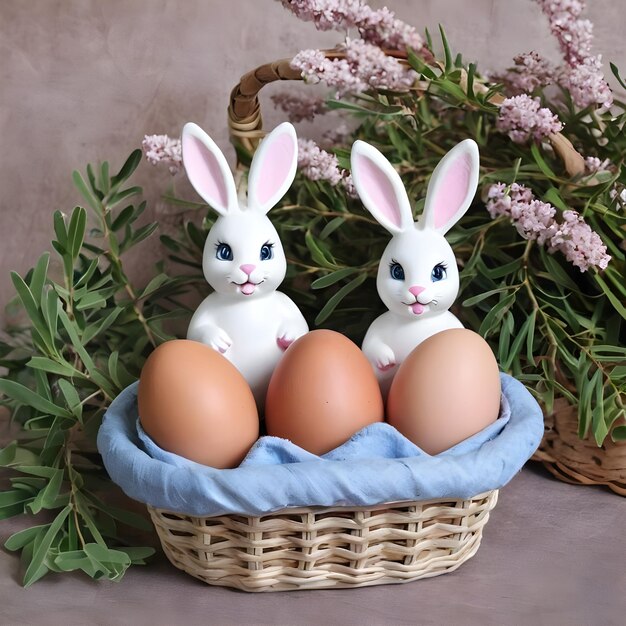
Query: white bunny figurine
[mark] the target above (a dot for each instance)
(418, 279)
(245, 318)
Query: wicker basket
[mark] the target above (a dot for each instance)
(319, 548)
(580, 461)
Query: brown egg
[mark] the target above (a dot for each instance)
(322, 392)
(195, 403)
(445, 391)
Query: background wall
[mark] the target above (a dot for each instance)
(85, 80)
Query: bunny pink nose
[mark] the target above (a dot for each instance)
(248, 268)
(416, 290)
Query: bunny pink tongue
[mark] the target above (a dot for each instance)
(248, 288)
(417, 308)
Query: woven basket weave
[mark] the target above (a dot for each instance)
(319, 548)
(580, 461)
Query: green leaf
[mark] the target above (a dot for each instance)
(49, 309)
(449, 62)
(33, 572)
(72, 399)
(87, 274)
(332, 278)
(47, 496)
(93, 330)
(331, 227)
(540, 161)
(115, 198)
(124, 217)
(19, 539)
(158, 281)
(139, 554)
(471, 71)
(335, 299)
(23, 394)
(7, 454)
(54, 367)
(619, 433)
(38, 279)
(76, 231)
(27, 299)
(615, 71)
(483, 296)
(553, 197)
(496, 313)
(127, 169)
(84, 190)
(418, 65)
(91, 300)
(617, 305)
(318, 254)
(530, 336)
(59, 229)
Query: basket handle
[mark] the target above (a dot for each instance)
(245, 123)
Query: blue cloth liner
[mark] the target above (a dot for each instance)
(375, 465)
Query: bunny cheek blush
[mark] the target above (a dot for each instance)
(194, 403)
(245, 318)
(418, 278)
(446, 390)
(322, 392)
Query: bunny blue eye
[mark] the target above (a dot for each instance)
(396, 270)
(438, 273)
(266, 251)
(223, 252)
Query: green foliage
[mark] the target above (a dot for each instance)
(86, 338)
(560, 331)
(87, 334)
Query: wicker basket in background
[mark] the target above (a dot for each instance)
(319, 548)
(580, 461)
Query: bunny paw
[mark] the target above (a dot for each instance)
(284, 342)
(385, 359)
(286, 335)
(219, 340)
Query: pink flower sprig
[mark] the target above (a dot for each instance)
(379, 27)
(299, 107)
(582, 74)
(530, 72)
(163, 149)
(523, 118)
(535, 220)
(317, 164)
(365, 66)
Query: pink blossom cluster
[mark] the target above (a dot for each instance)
(317, 164)
(573, 34)
(535, 220)
(379, 27)
(593, 165)
(587, 84)
(364, 66)
(337, 135)
(163, 149)
(523, 118)
(582, 74)
(531, 71)
(299, 107)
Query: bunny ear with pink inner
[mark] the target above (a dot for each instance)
(273, 168)
(380, 188)
(452, 187)
(207, 170)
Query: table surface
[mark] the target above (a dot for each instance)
(552, 554)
